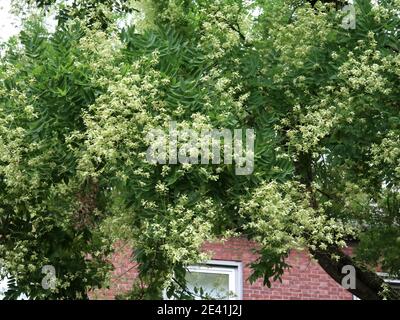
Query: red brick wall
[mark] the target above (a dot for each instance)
(304, 280)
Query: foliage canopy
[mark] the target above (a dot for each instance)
(76, 105)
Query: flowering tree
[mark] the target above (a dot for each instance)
(77, 105)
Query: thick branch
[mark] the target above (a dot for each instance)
(368, 283)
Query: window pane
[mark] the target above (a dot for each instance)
(214, 285)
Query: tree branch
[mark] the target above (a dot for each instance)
(368, 284)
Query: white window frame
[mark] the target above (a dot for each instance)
(386, 278)
(3, 287)
(233, 269)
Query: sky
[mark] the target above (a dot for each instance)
(9, 24)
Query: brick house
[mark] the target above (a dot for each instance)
(229, 267)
